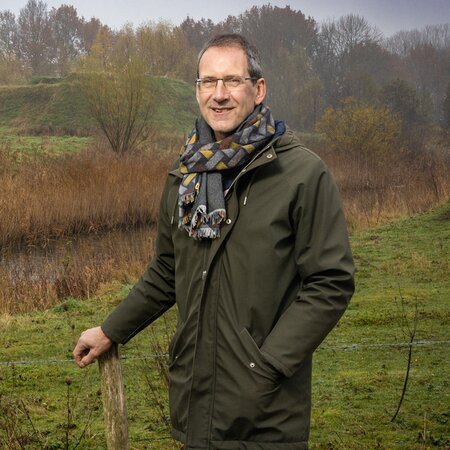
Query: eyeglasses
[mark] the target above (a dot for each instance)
(230, 82)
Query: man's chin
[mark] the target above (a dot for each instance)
(221, 130)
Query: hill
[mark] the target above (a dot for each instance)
(55, 106)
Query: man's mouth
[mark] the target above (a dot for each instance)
(221, 110)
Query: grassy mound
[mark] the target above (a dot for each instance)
(59, 107)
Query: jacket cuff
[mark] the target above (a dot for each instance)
(110, 333)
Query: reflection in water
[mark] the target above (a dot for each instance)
(37, 276)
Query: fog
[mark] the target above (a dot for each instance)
(388, 15)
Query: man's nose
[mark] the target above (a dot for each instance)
(221, 92)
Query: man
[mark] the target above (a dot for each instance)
(252, 246)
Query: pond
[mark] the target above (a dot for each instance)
(35, 276)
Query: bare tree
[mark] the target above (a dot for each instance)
(35, 36)
(8, 35)
(65, 26)
(403, 42)
(344, 52)
(119, 95)
(438, 35)
(353, 30)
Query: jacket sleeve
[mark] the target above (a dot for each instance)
(154, 293)
(326, 270)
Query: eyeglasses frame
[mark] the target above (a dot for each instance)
(199, 80)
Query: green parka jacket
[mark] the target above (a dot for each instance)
(253, 304)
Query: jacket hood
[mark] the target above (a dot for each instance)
(286, 141)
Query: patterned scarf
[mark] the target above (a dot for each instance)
(201, 197)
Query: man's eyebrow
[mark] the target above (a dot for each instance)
(223, 76)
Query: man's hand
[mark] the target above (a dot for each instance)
(90, 346)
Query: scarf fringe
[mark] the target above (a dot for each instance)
(217, 216)
(205, 232)
(199, 216)
(186, 199)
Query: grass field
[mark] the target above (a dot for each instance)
(28, 145)
(403, 266)
(60, 108)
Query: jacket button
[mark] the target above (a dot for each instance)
(228, 221)
(269, 155)
(252, 365)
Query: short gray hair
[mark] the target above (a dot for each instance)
(236, 40)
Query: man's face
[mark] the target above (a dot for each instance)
(222, 109)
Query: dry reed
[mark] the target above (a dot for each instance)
(52, 197)
(404, 184)
(47, 203)
(70, 223)
(38, 278)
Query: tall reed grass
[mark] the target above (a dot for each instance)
(71, 223)
(374, 191)
(56, 196)
(48, 203)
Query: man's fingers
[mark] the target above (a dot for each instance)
(90, 346)
(80, 350)
(88, 359)
(79, 356)
(81, 353)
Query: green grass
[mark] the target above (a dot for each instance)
(52, 118)
(355, 392)
(177, 107)
(60, 107)
(29, 145)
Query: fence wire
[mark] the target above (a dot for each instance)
(348, 347)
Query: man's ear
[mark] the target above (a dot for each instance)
(260, 91)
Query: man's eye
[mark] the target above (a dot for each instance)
(233, 81)
(208, 82)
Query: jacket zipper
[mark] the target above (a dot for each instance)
(244, 169)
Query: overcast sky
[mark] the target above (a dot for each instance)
(388, 15)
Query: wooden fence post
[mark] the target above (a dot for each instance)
(113, 396)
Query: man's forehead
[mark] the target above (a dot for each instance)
(220, 53)
(225, 50)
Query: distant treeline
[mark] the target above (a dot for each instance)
(308, 66)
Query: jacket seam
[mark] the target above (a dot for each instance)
(214, 380)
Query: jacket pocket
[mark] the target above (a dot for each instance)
(256, 360)
(180, 376)
(175, 345)
(268, 407)
(246, 392)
